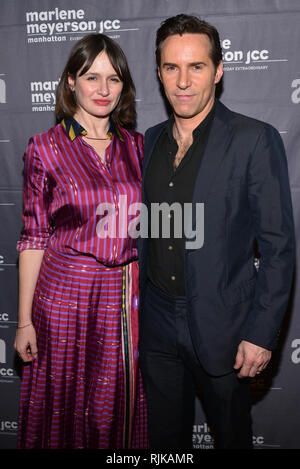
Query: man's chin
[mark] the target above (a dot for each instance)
(185, 114)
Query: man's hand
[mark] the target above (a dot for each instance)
(251, 359)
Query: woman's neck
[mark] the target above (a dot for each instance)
(96, 127)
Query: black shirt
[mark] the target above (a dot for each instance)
(164, 184)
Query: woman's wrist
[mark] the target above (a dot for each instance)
(22, 326)
(24, 320)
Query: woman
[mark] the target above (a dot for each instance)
(78, 294)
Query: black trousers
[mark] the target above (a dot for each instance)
(172, 376)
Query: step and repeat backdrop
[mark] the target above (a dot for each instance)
(261, 43)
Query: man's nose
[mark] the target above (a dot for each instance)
(183, 81)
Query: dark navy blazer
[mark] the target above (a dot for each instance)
(243, 183)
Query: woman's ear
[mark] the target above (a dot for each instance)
(71, 82)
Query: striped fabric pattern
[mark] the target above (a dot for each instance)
(84, 390)
(65, 181)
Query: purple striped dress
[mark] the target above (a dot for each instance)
(84, 390)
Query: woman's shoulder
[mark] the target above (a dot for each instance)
(134, 141)
(131, 134)
(39, 149)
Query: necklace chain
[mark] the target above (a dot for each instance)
(93, 138)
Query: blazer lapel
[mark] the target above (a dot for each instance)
(215, 152)
(150, 140)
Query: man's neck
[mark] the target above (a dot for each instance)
(186, 126)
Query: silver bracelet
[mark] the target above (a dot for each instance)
(22, 327)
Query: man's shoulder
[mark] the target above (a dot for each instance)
(243, 123)
(156, 129)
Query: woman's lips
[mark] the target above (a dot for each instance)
(101, 102)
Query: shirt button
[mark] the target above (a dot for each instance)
(169, 215)
(173, 277)
(171, 184)
(170, 248)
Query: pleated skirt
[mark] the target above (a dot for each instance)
(84, 390)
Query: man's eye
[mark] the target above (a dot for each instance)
(91, 78)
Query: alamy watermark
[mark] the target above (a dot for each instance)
(156, 221)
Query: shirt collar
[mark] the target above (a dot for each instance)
(198, 130)
(73, 129)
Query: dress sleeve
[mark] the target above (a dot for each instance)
(36, 197)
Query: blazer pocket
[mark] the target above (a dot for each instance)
(238, 293)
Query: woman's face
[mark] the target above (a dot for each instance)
(98, 90)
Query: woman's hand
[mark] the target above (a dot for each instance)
(25, 343)
(30, 261)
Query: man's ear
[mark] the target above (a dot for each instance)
(158, 73)
(219, 72)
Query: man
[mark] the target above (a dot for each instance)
(209, 319)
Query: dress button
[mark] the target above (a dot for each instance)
(173, 277)
(171, 184)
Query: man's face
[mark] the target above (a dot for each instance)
(188, 74)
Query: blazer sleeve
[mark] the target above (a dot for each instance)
(36, 197)
(272, 215)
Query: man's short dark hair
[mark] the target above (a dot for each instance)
(188, 24)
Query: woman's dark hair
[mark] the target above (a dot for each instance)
(81, 59)
(187, 24)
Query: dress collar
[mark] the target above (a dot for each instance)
(73, 129)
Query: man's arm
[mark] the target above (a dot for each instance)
(271, 209)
